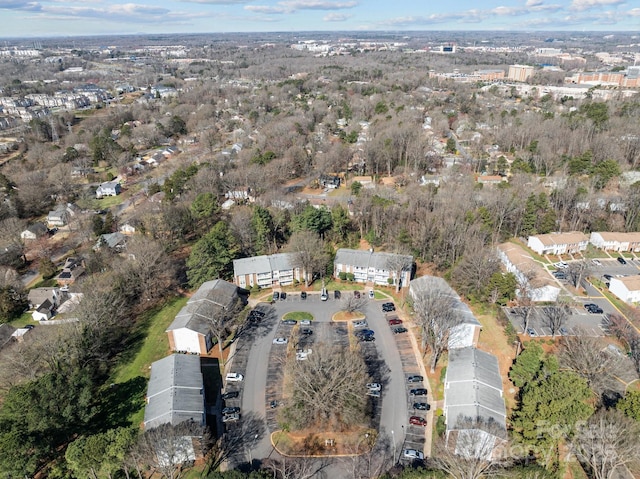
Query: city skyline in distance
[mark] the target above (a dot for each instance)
(23, 19)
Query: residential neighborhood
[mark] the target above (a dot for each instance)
(370, 254)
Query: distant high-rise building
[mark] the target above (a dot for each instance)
(520, 72)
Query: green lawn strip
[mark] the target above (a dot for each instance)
(149, 343)
(298, 316)
(154, 341)
(109, 201)
(24, 319)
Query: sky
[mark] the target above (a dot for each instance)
(26, 18)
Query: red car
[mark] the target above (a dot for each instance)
(395, 322)
(417, 421)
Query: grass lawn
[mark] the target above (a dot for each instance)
(298, 315)
(154, 342)
(149, 343)
(109, 201)
(24, 319)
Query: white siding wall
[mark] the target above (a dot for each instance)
(618, 288)
(535, 244)
(186, 340)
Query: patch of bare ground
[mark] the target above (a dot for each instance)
(347, 316)
(312, 442)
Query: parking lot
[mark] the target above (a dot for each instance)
(390, 359)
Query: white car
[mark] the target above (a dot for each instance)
(280, 341)
(234, 377)
(305, 322)
(371, 294)
(360, 324)
(596, 262)
(324, 295)
(374, 387)
(412, 454)
(561, 265)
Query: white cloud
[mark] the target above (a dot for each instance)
(533, 3)
(336, 17)
(634, 12)
(316, 4)
(265, 9)
(588, 4)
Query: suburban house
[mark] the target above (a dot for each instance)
(34, 231)
(241, 195)
(114, 241)
(558, 243)
(473, 403)
(627, 288)
(266, 271)
(108, 188)
(467, 332)
(612, 241)
(529, 272)
(191, 331)
(329, 181)
(379, 268)
(61, 215)
(71, 271)
(175, 392)
(44, 301)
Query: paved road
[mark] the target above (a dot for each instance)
(262, 365)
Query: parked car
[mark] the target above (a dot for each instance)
(367, 339)
(283, 296)
(421, 406)
(394, 321)
(561, 265)
(290, 322)
(417, 421)
(596, 262)
(416, 378)
(305, 322)
(418, 392)
(531, 332)
(276, 296)
(324, 295)
(412, 454)
(399, 330)
(234, 377)
(280, 341)
(607, 277)
(255, 315)
(336, 294)
(306, 332)
(621, 260)
(273, 404)
(374, 386)
(593, 308)
(563, 331)
(231, 417)
(231, 395)
(303, 295)
(371, 294)
(357, 294)
(365, 333)
(230, 410)
(360, 324)
(388, 307)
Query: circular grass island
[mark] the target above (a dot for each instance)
(298, 316)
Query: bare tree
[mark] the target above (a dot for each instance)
(351, 303)
(308, 254)
(399, 264)
(608, 441)
(296, 467)
(170, 449)
(577, 271)
(328, 388)
(471, 450)
(587, 356)
(435, 312)
(555, 317)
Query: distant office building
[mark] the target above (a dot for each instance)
(520, 72)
